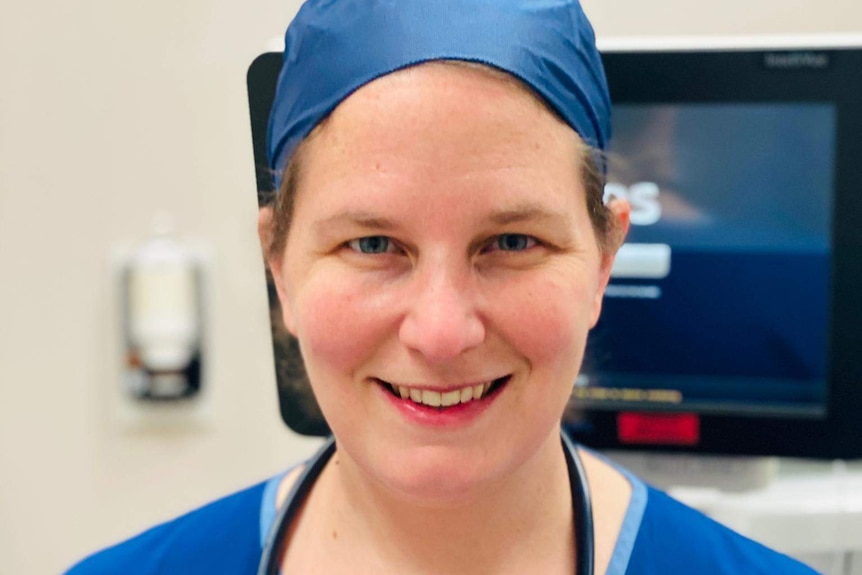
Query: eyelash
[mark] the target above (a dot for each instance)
(496, 244)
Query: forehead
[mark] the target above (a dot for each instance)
(441, 124)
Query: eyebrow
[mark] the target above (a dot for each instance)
(357, 218)
(522, 213)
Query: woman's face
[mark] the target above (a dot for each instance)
(441, 248)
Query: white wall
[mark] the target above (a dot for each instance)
(109, 112)
(723, 17)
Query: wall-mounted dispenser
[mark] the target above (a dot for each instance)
(162, 286)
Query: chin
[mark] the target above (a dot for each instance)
(440, 486)
(438, 475)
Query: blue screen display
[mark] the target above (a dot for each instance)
(719, 300)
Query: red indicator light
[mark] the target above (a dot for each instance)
(658, 428)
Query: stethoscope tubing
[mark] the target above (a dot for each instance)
(273, 550)
(270, 559)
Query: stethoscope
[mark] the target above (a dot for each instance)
(270, 560)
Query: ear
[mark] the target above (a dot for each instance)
(620, 211)
(275, 263)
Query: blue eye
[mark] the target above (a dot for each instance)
(514, 242)
(370, 245)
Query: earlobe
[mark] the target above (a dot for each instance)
(275, 264)
(620, 212)
(287, 316)
(620, 216)
(264, 230)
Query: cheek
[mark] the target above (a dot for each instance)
(548, 322)
(341, 322)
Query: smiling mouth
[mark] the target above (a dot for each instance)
(444, 399)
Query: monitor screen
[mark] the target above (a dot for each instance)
(719, 299)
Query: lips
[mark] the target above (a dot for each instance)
(442, 399)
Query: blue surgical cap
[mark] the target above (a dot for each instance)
(334, 47)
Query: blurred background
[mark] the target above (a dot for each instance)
(114, 112)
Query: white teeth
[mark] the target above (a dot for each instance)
(450, 398)
(431, 398)
(442, 399)
(477, 391)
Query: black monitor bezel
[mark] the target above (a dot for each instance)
(711, 76)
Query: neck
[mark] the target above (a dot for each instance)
(512, 525)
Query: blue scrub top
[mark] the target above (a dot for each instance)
(659, 536)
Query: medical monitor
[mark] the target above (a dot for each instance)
(733, 320)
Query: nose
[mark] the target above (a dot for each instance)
(442, 321)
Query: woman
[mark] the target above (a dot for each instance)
(440, 250)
